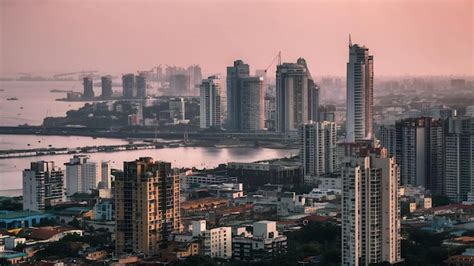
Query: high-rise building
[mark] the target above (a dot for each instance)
(360, 90)
(147, 206)
(235, 74)
(195, 78)
(106, 82)
(297, 96)
(210, 102)
(42, 186)
(140, 80)
(318, 148)
(459, 158)
(388, 139)
(245, 99)
(83, 176)
(327, 113)
(313, 101)
(270, 111)
(252, 97)
(419, 152)
(88, 88)
(129, 86)
(177, 107)
(370, 209)
(179, 84)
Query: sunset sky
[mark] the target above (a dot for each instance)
(405, 37)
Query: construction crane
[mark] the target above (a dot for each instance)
(278, 56)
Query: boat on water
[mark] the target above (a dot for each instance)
(12, 99)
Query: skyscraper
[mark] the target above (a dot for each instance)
(147, 206)
(388, 139)
(360, 89)
(129, 86)
(313, 101)
(370, 209)
(245, 99)
(318, 148)
(234, 75)
(106, 82)
(459, 158)
(42, 186)
(252, 97)
(419, 152)
(88, 88)
(297, 96)
(141, 85)
(210, 102)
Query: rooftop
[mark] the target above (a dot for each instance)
(19, 214)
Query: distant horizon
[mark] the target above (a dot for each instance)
(422, 38)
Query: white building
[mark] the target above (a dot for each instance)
(217, 242)
(265, 243)
(190, 179)
(210, 102)
(42, 186)
(332, 181)
(318, 148)
(83, 175)
(370, 211)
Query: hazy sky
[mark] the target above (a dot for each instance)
(405, 37)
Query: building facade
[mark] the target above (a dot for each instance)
(419, 152)
(291, 97)
(129, 86)
(459, 158)
(42, 186)
(360, 89)
(83, 176)
(252, 97)
(370, 209)
(234, 75)
(265, 243)
(210, 102)
(88, 88)
(147, 206)
(318, 148)
(106, 83)
(140, 80)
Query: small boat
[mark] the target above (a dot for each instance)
(12, 99)
(21, 107)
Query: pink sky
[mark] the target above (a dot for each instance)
(406, 37)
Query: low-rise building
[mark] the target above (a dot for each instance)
(104, 210)
(21, 219)
(254, 175)
(50, 233)
(216, 242)
(191, 179)
(264, 244)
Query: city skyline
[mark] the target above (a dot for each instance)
(58, 33)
